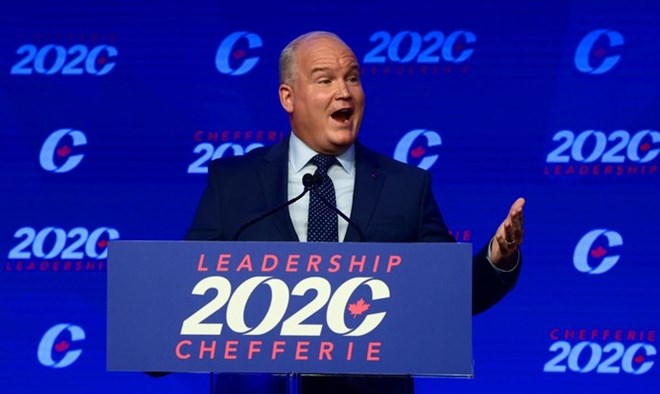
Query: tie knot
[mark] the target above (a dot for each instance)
(323, 163)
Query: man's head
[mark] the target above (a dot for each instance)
(320, 88)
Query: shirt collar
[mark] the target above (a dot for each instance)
(300, 154)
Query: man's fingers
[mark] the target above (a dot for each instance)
(509, 234)
(517, 208)
(519, 203)
(508, 230)
(515, 230)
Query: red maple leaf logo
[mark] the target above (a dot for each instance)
(238, 54)
(645, 146)
(418, 152)
(639, 359)
(64, 151)
(358, 308)
(600, 52)
(62, 346)
(598, 252)
(102, 243)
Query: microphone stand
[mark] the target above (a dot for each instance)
(309, 181)
(293, 383)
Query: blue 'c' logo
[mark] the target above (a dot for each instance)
(586, 46)
(585, 249)
(405, 147)
(47, 345)
(226, 50)
(49, 151)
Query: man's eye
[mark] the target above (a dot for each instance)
(324, 81)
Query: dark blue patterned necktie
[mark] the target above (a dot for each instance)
(322, 226)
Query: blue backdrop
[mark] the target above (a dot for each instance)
(109, 114)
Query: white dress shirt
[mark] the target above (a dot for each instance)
(342, 175)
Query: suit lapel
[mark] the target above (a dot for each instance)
(274, 177)
(368, 186)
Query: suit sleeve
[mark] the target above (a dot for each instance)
(490, 285)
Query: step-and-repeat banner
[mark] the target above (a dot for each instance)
(110, 114)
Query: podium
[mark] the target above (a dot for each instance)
(290, 308)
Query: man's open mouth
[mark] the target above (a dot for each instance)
(343, 115)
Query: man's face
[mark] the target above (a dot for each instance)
(326, 101)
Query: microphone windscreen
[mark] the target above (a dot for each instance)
(308, 180)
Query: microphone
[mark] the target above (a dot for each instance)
(316, 180)
(309, 182)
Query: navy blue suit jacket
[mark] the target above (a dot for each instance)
(392, 202)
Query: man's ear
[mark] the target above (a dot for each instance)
(286, 97)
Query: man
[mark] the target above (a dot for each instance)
(387, 201)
